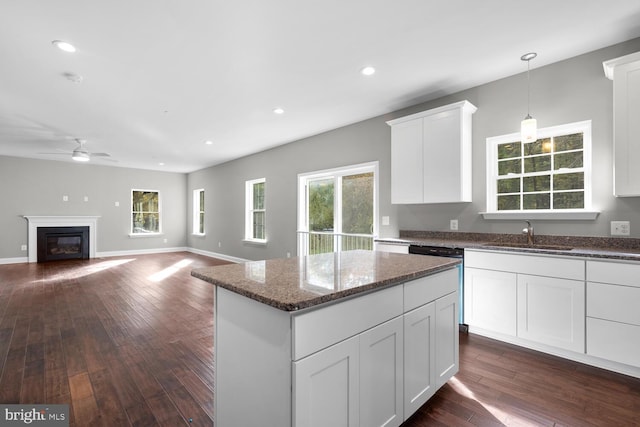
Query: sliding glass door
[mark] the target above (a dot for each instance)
(337, 209)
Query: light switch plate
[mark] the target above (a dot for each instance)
(385, 220)
(620, 228)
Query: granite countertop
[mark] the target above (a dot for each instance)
(292, 284)
(620, 248)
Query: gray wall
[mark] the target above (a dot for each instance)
(225, 187)
(36, 187)
(564, 92)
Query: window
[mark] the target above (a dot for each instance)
(337, 209)
(255, 221)
(552, 174)
(198, 211)
(145, 212)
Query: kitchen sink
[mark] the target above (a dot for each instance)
(526, 246)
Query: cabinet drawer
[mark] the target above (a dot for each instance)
(325, 326)
(614, 341)
(613, 302)
(426, 289)
(614, 272)
(539, 265)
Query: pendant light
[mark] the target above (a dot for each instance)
(529, 126)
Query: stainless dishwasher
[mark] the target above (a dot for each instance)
(449, 252)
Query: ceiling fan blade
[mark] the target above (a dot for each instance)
(100, 154)
(58, 154)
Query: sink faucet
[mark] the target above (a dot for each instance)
(528, 230)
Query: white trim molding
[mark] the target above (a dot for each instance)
(36, 221)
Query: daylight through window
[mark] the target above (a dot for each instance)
(255, 229)
(550, 174)
(198, 211)
(145, 211)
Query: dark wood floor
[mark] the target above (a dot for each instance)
(129, 341)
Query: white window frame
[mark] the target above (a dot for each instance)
(304, 178)
(587, 212)
(133, 233)
(197, 210)
(248, 228)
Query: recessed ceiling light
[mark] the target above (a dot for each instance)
(208, 142)
(161, 164)
(368, 71)
(278, 110)
(62, 45)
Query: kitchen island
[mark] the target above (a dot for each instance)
(357, 338)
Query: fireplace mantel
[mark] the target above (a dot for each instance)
(36, 221)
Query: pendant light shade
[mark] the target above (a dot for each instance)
(528, 126)
(529, 129)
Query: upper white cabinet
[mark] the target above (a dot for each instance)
(431, 155)
(625, 73)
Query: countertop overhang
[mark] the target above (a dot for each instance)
(292, 284)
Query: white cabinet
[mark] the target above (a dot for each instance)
(551, 311)
(398, 248)
(431, 155)
(381, 375)
(526, 298)
(490, 300)
(446, 351)
(369, 360)
(326, 387)
(419, 357)
(613, 318)
(625, 73)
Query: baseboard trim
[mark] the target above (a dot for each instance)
(217, 255)
(107, 254)
(18, 260)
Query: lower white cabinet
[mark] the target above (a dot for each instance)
(551, 311)
(367, 361)
(613, 317)
(419, 357)
(381, 375)
(520, 296)
(490, 300)
(326, 386)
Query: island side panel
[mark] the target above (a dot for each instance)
(252, 362)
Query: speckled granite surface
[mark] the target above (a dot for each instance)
(295, 283)
(591, 247)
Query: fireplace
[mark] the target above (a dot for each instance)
(36, 222)
(57, 243)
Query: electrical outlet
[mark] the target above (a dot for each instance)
(86, 198)
(385, 220)
(23, 247)
(65, 198)
(620, 228)
(117, 204)
(453, 224)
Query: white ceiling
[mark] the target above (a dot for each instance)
(159, 77)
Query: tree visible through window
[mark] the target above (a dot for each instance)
(145, 207)
(548, 174)
(339, 211)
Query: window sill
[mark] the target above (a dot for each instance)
(136, 235)
(198, 234)
(255, 242)
(546, 215)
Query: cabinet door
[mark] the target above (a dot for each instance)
(326, 387)
(419, 357)
(381, 375)
(442, 155)
(447, 345)
(490, 300)
(626, 110)
(552, 311)
(406, 162)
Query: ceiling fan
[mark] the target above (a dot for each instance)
(81, 154)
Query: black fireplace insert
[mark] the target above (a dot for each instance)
(58, 243)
